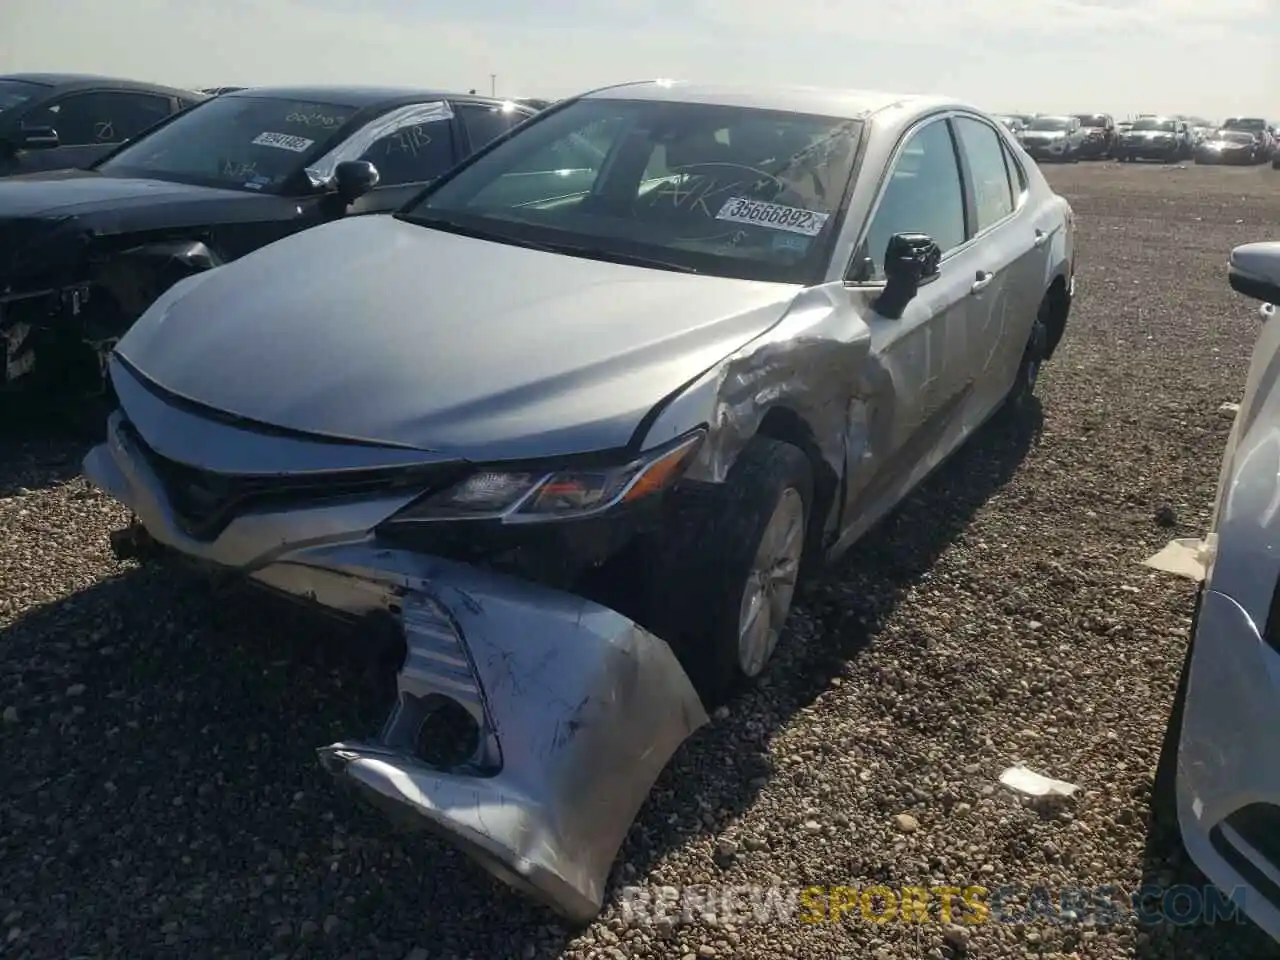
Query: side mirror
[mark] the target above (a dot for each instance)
(354, 178)
(1254, 270)
(910, 261)
(38, 138)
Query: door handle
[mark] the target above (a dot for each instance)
(1041, 238)
(982, 282)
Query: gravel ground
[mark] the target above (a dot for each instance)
(160, 797)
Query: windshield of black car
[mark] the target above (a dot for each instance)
(245, 143)
(728, 191)
(14, 93)
(1092, 120)
(1166, 126)
(1234, 136)
(1050, 123)
(1251, 124)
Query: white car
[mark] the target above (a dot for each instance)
(1218, 778)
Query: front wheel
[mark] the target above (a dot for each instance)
(737, 570)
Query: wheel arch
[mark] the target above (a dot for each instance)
(1055, 306)
(786, 425)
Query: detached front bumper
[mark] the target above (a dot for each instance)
(1228, 781)
(565, 710)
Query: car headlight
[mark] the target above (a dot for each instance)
(528, 495)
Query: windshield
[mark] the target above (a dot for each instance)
(14, 93)
(1050, 123)
(1091, 119)
(1246, 123)
(246, 143)
(1234, 136)
(1155, 123)
(728, 191)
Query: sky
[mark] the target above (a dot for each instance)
(1209, 58)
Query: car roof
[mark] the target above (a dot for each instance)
(358, 96)
(852, 104)
(93, 80)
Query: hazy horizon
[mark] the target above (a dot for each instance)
(1114, 56)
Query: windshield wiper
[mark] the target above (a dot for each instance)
(571, 250)
(616, 256)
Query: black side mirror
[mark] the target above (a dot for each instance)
(38, 138)
(910, 261)
(354, 178)
(1254, 270)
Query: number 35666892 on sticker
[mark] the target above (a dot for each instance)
(775, 216)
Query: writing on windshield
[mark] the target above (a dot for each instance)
(250, 143)
(724, 190)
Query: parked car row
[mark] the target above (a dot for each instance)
(1073, 137)
(567, 413)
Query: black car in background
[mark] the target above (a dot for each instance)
(1257, 126)
(1230, 147)
(84, 252)
(1155, 138)
(55, 121)
(1099, 135)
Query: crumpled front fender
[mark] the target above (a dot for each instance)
(576, 709)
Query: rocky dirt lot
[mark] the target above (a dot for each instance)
(159, 794)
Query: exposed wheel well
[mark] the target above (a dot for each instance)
(787, 426)
(1056, 304)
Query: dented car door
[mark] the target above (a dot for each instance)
(894, 441)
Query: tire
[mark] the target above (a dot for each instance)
(1018, 399)
(769, 490)
(1164, 789)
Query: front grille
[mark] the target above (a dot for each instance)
(204, 502)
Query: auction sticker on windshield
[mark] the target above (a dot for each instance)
(283, 141)
(775, 216)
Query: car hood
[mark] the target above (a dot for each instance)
(1150, 134)
(379, 330)
(118, 200)
(1044, 134)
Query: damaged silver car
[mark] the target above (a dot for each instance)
(575, 419)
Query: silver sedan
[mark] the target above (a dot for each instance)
(576, 418)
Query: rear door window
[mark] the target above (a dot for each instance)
(993, 196)
(83, 119)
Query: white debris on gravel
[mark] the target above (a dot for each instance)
(910, 677)
(1027, 781)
